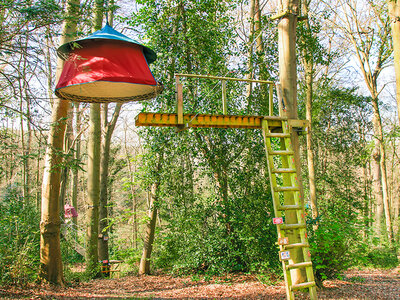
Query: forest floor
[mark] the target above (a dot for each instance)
(355, 284)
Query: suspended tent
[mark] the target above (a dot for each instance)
(106, 66)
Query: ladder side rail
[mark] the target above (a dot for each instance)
(301, 218)
(276, 204)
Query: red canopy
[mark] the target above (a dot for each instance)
(106, 69)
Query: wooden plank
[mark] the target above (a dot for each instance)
(179, 102)
(300, 265)
(303, 285)
(224, 103)
(205, 121)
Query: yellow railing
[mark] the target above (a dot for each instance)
(179, 92)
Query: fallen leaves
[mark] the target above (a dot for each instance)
(356, 284)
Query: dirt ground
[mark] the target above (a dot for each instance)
(356, 284)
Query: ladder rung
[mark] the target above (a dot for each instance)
(277, 134)
(290, 207)
(281, 152)
(299, 265)
(303, 285)
(283, 170)
(286, 188)
(297, 245)
(292, 226)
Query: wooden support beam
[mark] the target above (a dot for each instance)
(224, 103)
(179, 102)
(206, 121)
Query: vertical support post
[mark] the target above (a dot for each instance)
(224, 104)
(179, 101)
(271, 100)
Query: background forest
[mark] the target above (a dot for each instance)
(199, 201)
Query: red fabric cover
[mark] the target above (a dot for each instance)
(70, 211)
(106, 61)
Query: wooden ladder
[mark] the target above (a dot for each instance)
(288, 205)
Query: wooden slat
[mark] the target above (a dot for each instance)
(204, 121)
(289, 207)
(179, 102)
(281, 152)
(299, 265)
(283, 170)
(292, 226)
(297, 245)
(303, 285)
(286, 188)
(278, 135)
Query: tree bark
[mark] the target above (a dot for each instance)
(394, 12)
(93, 187)
(144, 267)
(249, 75)
(65, 172)
(308, 64)
(379, 142)
(132, 189)
(77, 157)
(93, 171)
(107, 129)
(50, 252)
(288, 80)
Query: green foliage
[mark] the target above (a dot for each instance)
(340, 122)
(19, 238)
(382, 257)
(334, 248)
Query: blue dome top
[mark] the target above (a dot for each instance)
(107, 33)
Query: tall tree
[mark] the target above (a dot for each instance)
(309, 51)
(93, 169)
(50, 252)
(367, 29)
(394, 13)
(107, 130)
(153, 194)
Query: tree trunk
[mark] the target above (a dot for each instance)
(93, 171)
(394, 11)
(93, 187)
(132, 189)
(77, 157)
(380, 162)
(66, 169)
(308, 64)
(144, 267)
(288, 80)
(250, 52)
(377, 188)
(107, 129)
(50, 252)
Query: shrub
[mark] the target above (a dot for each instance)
(19, 238)
(382, 257)
(333, 249)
